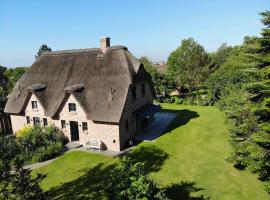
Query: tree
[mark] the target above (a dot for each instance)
(43, 48)
(129, 181)
(16, 183)
(148, 65)
(188, 65)
(219, 57)
(241, 86)
(13, 75)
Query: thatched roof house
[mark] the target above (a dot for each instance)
(100, 80)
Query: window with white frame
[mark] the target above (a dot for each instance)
(72, 107)
(34, 105)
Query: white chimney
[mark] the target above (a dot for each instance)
(104, 43)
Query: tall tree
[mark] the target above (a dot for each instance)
(43, 48)
(219, 57)
(188, 65)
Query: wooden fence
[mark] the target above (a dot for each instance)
(5, 124)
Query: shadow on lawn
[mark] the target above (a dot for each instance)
(152, 157)
(89, 186)
(184, 191)
(183, 117)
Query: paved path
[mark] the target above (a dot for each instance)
(161, 121)
(40, 164)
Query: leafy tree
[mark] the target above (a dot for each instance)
(148, 65)
(16, 183)
(43, 48)
(13, 75)
(219, 57)
(188, 65)
(162, 83)
(129, 181)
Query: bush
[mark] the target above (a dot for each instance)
(24, 131)
(178, 100)
(46, 153)
(40, 144)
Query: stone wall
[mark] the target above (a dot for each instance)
(114, 136)
(131, 106)
(108, 133)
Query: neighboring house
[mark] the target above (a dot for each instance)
(101, 94)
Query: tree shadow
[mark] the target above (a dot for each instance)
(91, 184)
(182, 118)
(152, 157)
(88, 186)
(184, 191)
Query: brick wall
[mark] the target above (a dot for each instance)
(131, 106)
(107, 133)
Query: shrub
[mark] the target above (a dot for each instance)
(40, 144)
(46, 153)
(178, 100)
(24, 131)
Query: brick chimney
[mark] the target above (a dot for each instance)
(104, 43)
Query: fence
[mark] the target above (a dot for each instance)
(5, 124)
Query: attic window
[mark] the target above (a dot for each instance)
(34, 105)
(72, 107)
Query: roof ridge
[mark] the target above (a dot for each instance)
(68, 51)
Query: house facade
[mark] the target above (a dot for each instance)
(100, 94)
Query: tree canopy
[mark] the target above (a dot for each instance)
(188, 65)
(43, 48)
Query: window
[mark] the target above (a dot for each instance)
(143, 90)
(127, 124)
(63, 124)
(133, 91)
(27, 119)
(84, 126)
(36, 121)
(34, 104)
(72, 107)
(45, 122)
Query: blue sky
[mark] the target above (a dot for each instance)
(147, 27)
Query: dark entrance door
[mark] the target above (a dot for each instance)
(74, 131)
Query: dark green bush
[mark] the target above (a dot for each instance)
(40, 144)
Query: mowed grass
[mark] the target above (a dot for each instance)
(191, 155)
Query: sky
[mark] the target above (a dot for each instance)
(152, 28)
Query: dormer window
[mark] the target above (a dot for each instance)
(34, 105)
(72, 107)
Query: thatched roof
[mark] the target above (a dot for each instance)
(87, 74)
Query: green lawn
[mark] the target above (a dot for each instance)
(191, 156)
